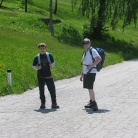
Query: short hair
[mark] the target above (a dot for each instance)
(41, 45)
(86, 40)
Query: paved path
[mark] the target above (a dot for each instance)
(116, 89)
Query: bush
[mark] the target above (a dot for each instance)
(70, 35)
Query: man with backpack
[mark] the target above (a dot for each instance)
(42, 63)
(89, 70)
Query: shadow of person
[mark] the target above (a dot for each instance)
(46, 110)
(90, 111)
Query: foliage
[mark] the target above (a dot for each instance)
(1, 1)
(28, 1)
(103, 12)
(74, 3)
(70, 35)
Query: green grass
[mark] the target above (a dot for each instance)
(21, 32)
(20, 50)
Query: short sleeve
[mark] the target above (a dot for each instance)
(95, 53)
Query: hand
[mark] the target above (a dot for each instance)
(81, 78)
(89, 67)
(50, 66)
(39, 67)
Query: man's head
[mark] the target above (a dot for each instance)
(42, 47)
(86, 43)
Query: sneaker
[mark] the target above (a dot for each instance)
(95, 107)
(89, 105)
(42, 106)
(54, 106)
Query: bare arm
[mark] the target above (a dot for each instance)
(97, 60)
(81, 75)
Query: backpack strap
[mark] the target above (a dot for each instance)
(48, 58)
(91, 53)
(38, 58)
(92, 56)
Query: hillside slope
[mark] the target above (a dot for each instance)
(21, 32)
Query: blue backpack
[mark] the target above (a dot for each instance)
(101, 52)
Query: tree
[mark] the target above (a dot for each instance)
(25, 5)
(73, 4)
(102, 12)
(1, 1)
(51, 19)
(56, 3)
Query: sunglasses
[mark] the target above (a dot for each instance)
(85, 43)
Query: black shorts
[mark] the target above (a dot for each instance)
(88, 80)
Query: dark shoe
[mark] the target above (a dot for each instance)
(54, 106)
(95, 107)
(89, 105)
(42, 106)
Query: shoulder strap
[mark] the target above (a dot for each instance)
(48, 57)
(38, 58)
(91, 54)
(84, 53)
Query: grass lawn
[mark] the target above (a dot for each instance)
(21, 32)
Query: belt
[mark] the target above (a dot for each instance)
(45, 77)
(86, 65)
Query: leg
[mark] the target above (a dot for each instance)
(91, 94)
(41, 84)
(92, 98)
(92, 103)
(89, 83)
(52, 91)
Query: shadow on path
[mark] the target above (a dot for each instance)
(45, 110)
(90, 111)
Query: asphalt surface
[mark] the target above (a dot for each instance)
(116, 89)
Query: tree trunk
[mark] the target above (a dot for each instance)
(56, 3)
(1, 3)
(97, 31)
(51, 20)
(25, 5)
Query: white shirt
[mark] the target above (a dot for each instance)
(87, 60)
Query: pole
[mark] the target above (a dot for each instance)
(51, 19)
(9, 77)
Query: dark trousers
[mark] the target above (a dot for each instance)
(51, 88)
